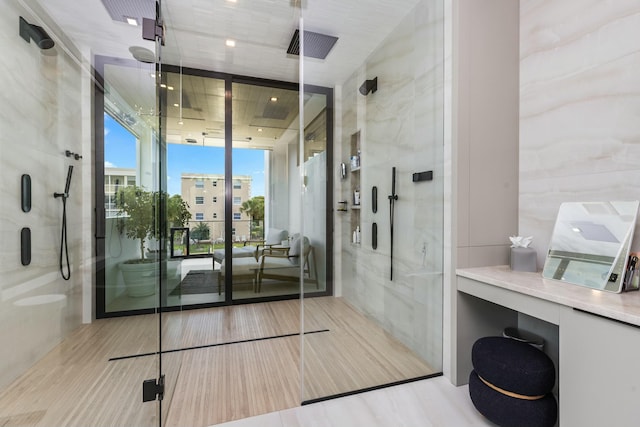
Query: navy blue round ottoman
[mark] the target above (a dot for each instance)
(511, 383)
(507, 411)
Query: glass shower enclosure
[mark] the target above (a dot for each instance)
(60, 365)
(385, 319)
(351, 166)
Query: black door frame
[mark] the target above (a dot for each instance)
(229, 79)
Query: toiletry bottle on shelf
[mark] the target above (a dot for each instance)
(357, 234)
(356, 196)
(354, 237)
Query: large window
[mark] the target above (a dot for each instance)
(261, 179)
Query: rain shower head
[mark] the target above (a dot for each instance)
(37, 34)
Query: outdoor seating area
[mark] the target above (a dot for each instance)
(272, 260)
(253, 249)
(243, 269)
(286, 263)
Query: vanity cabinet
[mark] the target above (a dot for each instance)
(592, 336)
(600, 374)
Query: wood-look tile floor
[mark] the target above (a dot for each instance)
(231, 372)
(428, 403)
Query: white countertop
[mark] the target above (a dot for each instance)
(624, 307)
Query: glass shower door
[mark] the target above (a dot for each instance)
(60, 365)
(132, 269)
(382, 328)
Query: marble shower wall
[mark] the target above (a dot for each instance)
(400, 125)
(579, 108)
(41, 116)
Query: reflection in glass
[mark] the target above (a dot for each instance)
(130, 188)
(590, 244)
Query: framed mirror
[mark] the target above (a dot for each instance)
(590, 244)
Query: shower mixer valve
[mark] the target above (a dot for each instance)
(74, 155)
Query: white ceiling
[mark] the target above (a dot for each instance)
(196, 31)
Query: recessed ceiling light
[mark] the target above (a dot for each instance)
(131, 21)
(180, 122)
(176, 105)
(230, 43)
(232, 1)
(163, 85)
(274, 99)
(170, 87)
(259, 129)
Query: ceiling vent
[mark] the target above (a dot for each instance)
(275, 112)
(316, 45)
(120, 10)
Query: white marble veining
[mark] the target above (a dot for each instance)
(624, 307)
(400, 125)
(41, 116)
(579, 103)
(434, 403)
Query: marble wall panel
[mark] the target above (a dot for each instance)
(401, 126)
(579, 103)
(40, 117)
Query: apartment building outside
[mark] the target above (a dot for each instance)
(114, 179)
(204, 193)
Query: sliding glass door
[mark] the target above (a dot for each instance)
(196, 179)
(230, 170)
(266, 197)
(129, 150)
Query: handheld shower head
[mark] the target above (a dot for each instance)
(66, 187)
(37, 34)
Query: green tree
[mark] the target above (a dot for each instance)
(136, 206)
(200, 231)
(177, 211)
(254, 208)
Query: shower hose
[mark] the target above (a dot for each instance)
(63, 242)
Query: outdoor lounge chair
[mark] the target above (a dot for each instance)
(275, 236)
(283, 263)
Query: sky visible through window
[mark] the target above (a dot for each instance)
(120, 152)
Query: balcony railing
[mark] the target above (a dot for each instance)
(199, 238)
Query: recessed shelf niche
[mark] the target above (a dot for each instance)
(356, 193)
